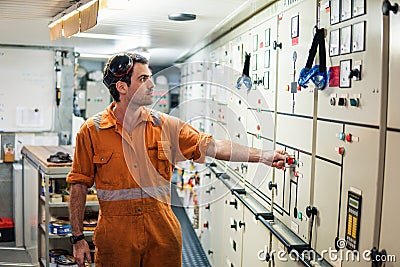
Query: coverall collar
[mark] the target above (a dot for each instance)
(109, 120)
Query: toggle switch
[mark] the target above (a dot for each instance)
(355, 73)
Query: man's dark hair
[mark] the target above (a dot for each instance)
(110, 80)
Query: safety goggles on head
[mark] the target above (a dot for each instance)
(120, 65)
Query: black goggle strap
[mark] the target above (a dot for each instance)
(318, 40)
(246, 67)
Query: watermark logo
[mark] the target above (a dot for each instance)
(330, 254)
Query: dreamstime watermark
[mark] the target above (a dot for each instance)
(331, 254)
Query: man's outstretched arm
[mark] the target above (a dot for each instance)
(229, 151)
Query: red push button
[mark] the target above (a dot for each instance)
(291, 161)
(341, 150)
(349, 137)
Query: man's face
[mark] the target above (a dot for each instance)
(140, 92)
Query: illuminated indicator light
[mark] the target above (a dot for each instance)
(341, 150)
(298, 88)
(349, 137)
(258, 127)
(300, 215)
(341, 136)
(354, 102)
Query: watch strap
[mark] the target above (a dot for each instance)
(75, 239)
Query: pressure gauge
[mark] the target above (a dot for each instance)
(334, 43)
(358, 7)
(359, 36)
(345, 40)
(345, 69)
(267, 37)
(266, 58)
(345, 10)
(266, 80)
(335, 11)
(295, 27)
(255, 42)
(254, 60)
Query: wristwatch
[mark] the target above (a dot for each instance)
(75, 239)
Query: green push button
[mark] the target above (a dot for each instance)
(354, 102)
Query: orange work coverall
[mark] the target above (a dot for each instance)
(136, 225)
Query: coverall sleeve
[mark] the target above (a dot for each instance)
(82, 170)
(193, 144)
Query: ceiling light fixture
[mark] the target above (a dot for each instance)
(181, 17)
(79, 17)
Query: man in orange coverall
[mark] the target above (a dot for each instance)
(129, 152)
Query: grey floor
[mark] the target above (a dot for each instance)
(14, 257)
(192, 252)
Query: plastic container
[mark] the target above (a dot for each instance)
(66, 261)
(6, 230)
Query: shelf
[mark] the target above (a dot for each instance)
(65, 204)
(53, 236)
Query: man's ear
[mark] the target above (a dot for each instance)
(121, 87)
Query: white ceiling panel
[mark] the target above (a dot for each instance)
(125, 25)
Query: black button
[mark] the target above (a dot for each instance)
(139, 209)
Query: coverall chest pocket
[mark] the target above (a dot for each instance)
(164, 156)
(108, 168)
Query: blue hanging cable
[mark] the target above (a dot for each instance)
(245, 77)
(318, 73)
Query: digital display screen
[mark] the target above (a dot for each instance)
(353, 203)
